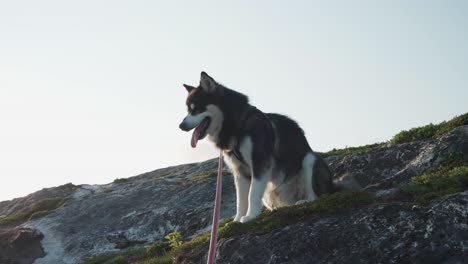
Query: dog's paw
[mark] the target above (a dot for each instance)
(237, 218)
(246, 219)
(301, 202)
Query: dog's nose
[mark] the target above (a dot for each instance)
(183, 126)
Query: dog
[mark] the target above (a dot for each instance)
(268, 154)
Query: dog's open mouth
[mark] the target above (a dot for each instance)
(200, 131)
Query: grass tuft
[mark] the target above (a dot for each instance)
(429, 131)
(121, 180)
(40, 209)
(414, 134)
(284, 216)
(434, 184)
(354, 150)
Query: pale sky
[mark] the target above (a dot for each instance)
(91, 91)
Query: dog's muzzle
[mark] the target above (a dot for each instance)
(185, 126)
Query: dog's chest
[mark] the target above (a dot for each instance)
(237, 166)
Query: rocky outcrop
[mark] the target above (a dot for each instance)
(20, 246)
(136, 211)
(390, 166)
(437, 233)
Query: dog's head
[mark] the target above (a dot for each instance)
(204, 113)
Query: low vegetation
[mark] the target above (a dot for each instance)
(354, 150)
(39, 209)
(265, 223)
(166, 174)
(175, 239)
(203, 175)
(429, 131)
(405, 136)
(121, 180)
(437, 183)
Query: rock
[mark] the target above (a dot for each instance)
(133, 213)
(437, 233)
(136, 211)
(390, 166)
(20, 246)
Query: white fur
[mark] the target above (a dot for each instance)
(216, 124)
(216, 116)
(246, 148)
(275, 186)
(249, 191)
(307, 176)
(242, 183)
(242, 195)
(257, 188)
(257, 183)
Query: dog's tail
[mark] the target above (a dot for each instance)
(323, 182)
(346, 182)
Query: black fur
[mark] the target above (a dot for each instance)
(273, 135)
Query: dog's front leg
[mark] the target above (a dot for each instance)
(242, 195)
(257, 188)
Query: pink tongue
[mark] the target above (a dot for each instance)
(196, 136)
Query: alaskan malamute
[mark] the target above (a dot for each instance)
(268, 154)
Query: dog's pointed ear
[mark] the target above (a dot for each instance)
(188, 87)
(207, 83)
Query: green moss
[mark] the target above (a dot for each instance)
(270, 221)
(455, 159)
(14, 218)
(39, 214)
(129, 256)
(439, 180)
(39, 209)
(429, 131)
(167, 174)
(166, 259)
(198, 245)
(49, 204)
(443, 181)
(98, 259)
(117, 260)
(161, 176)
(354, 150)
(414, 134)
(128, 243)
(121, 180)
(66, 186)
(156, 249)
(205, 174)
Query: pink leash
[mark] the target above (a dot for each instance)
(214, 229)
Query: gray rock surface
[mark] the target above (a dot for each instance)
(134, 212)
(139, 210)
(437, 233)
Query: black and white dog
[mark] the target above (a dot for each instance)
(268, 154)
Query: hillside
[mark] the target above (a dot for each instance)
(413, 207)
